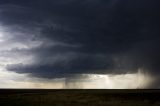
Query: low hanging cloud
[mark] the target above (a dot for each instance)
(66, 38)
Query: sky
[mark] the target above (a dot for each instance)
(80, 44)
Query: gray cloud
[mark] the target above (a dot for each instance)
(85, 37)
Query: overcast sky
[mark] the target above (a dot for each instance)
(79, 44)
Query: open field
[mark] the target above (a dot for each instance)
(70, 97)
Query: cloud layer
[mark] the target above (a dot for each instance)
(69, 37)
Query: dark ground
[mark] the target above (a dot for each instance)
(70, 97)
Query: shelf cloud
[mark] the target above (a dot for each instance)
(69, 38)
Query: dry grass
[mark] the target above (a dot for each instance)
(79, 98)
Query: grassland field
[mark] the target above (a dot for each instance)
(79, 97)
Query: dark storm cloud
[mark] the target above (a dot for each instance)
(87, 36)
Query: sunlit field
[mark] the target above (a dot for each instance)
(24, 97)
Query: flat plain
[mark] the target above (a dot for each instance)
(79, 97)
